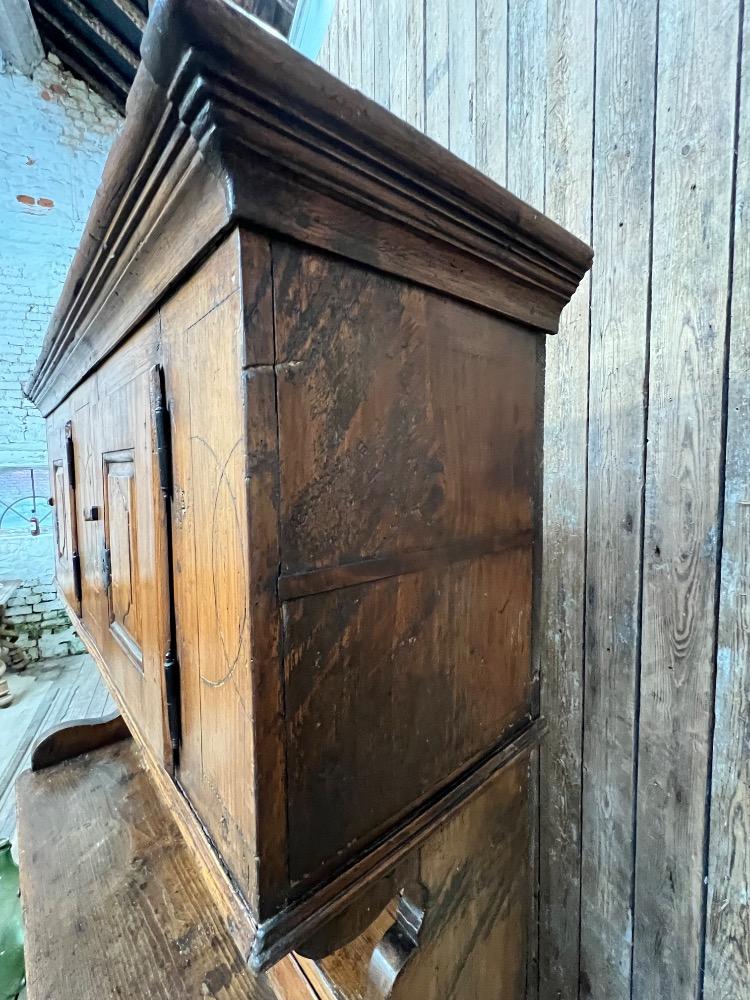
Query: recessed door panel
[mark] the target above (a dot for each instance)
(121, 552)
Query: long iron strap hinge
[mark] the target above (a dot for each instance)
(70, 472)
(163, 444)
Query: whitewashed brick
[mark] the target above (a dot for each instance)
(55, 134)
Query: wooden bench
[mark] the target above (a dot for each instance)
(114, 902)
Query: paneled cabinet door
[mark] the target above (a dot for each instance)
(130, 622)
(61, 447)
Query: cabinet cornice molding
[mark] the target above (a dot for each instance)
(244, 129)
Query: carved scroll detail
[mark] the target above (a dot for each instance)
(76, 737)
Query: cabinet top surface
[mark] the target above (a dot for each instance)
(226, 124)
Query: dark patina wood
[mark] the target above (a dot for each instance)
(300, 359)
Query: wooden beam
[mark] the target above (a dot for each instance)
(20, 43)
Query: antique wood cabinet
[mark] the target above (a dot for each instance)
(293, 393)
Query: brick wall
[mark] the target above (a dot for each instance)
(40, 622)
(55, 134)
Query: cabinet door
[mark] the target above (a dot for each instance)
(130, 623)
(61, 448)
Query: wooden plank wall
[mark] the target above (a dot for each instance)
(627, 121)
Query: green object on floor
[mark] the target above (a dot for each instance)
(12, 972)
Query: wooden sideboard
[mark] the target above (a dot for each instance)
(294, 398)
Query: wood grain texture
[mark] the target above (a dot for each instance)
(626, 53)
(455, 666)
(692, 206)
(568, 170)
(437, 71)
(113, 901)
(727, 926)
(491, 95)
(133, 593)
(407, 416)
(76, 736)
(203, 342)
(291, 927)
(462, 68)
(538, 113)
(526, 110)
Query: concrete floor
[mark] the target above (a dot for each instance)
(44, 695)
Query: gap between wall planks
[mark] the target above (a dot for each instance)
(617, 119)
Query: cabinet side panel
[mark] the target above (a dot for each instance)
(406, 419)
(408, 427)
(392, 687)
(202, 345)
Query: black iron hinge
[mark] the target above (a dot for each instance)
(106, 567)
(70, 472)
(172, 692)
(163, 445)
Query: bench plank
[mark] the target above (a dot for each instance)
(113, 901)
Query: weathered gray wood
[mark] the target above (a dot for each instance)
(344, 46)
(367, 44)
(324, 54)
(462, 70)
(437, 71)
(526, 100)
(625, 62)
(415, 111)
(491, 88)
(333, 43)
(569, 123)
(20, 43)
(355, 45)
(728, 921)
(695, 117)
(382, 69)
(397, 56)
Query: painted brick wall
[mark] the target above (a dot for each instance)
(55, 134)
